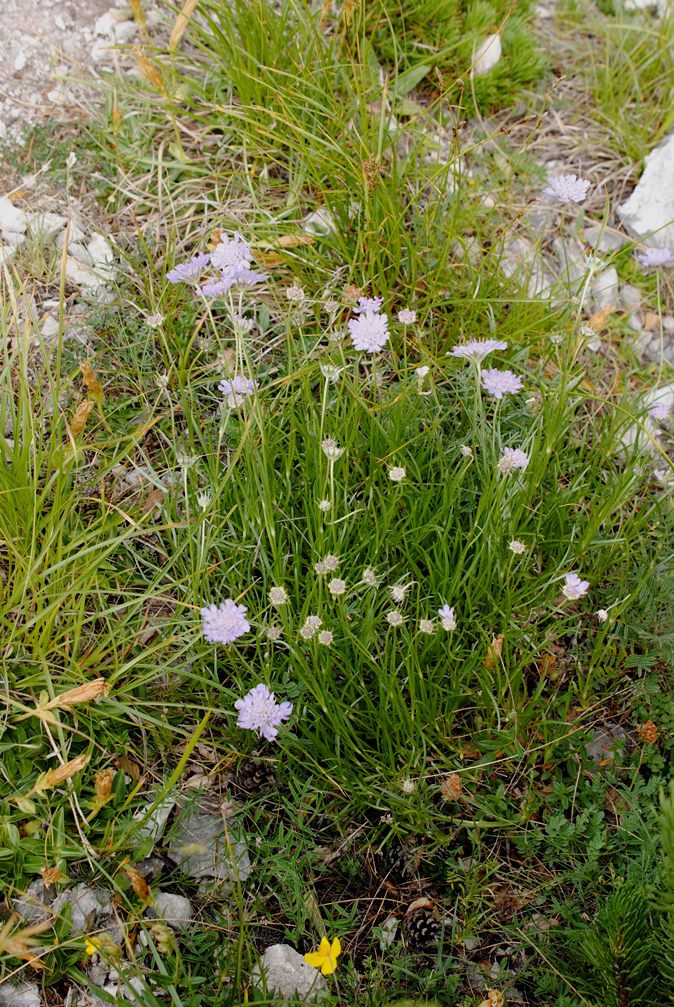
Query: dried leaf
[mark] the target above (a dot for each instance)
(451, 787)
(52, 876)
(128, 766)
(91, 382)
(103, 784)
(494, 651)
(152, 501)
(181, 23)
(547, 666)
(138, 882)
(148, 70)
(326, 11)
(494, 999)
(293, 240)
(20, 943)
(53, 777)
(597, 320)
(79, 417)
(80, 694)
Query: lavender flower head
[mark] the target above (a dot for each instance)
(512, 458)
(368, 304)
(447, 618)
(477, 349)
(233, 257)
(237, 389)
(500, 383)
(567, 188)
(190, 271)
(574, 587)
(369, 331)
(656, 257)
(259, 711)
(659, 411)
(224, 623)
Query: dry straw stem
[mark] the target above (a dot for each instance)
(80, 694)
(181, 24)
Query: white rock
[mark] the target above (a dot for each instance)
(284, 972)
(20, 60)
(6, 253)
(25, 995)
(34, 905)
(14, 239)
(631, 297)
(59, 22)
(78, 251)
(154, 825)
(603, 239)
(46, 224)
(650, 208)
(175, 909)
(105, 26)
(125, 31)
(12, 218)
(487, 55)
(205, 845)
(102, 255)
(521, 260)
(49, 328)
(320, 223)
(86, 904)
(101, 51)
(81, 275)
(605, 289)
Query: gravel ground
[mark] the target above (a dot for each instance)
(46, 46)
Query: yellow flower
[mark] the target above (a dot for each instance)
(325, 958)
(92, 945)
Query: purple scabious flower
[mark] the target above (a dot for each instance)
(233, 257)
(447, 618)
(190, 271)
(369, 331)
(259, 711)
(407, 316)
(512, 458)
(368, 304)
(477, 349)
(231, 253)
(574, 587)
(500, 383)
(224, 623)
(656, 257)
(567, 188)
(659, 411)
(237, 389)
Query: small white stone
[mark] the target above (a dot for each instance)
(320, 223)
(77, 251)
(605, 288)
(59, 22)
(49, 328)
(101, 253)
(81, 275)
(649, 211)
(630, 296)
(487, 55)
(12, 218)
(125, 31)
(284, 973)
(175, 909)
(20, 60)
(24, 995)
(46, 224)
(105, 26)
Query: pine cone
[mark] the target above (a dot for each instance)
(420, 924)
(395, 864)
(253, 775)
